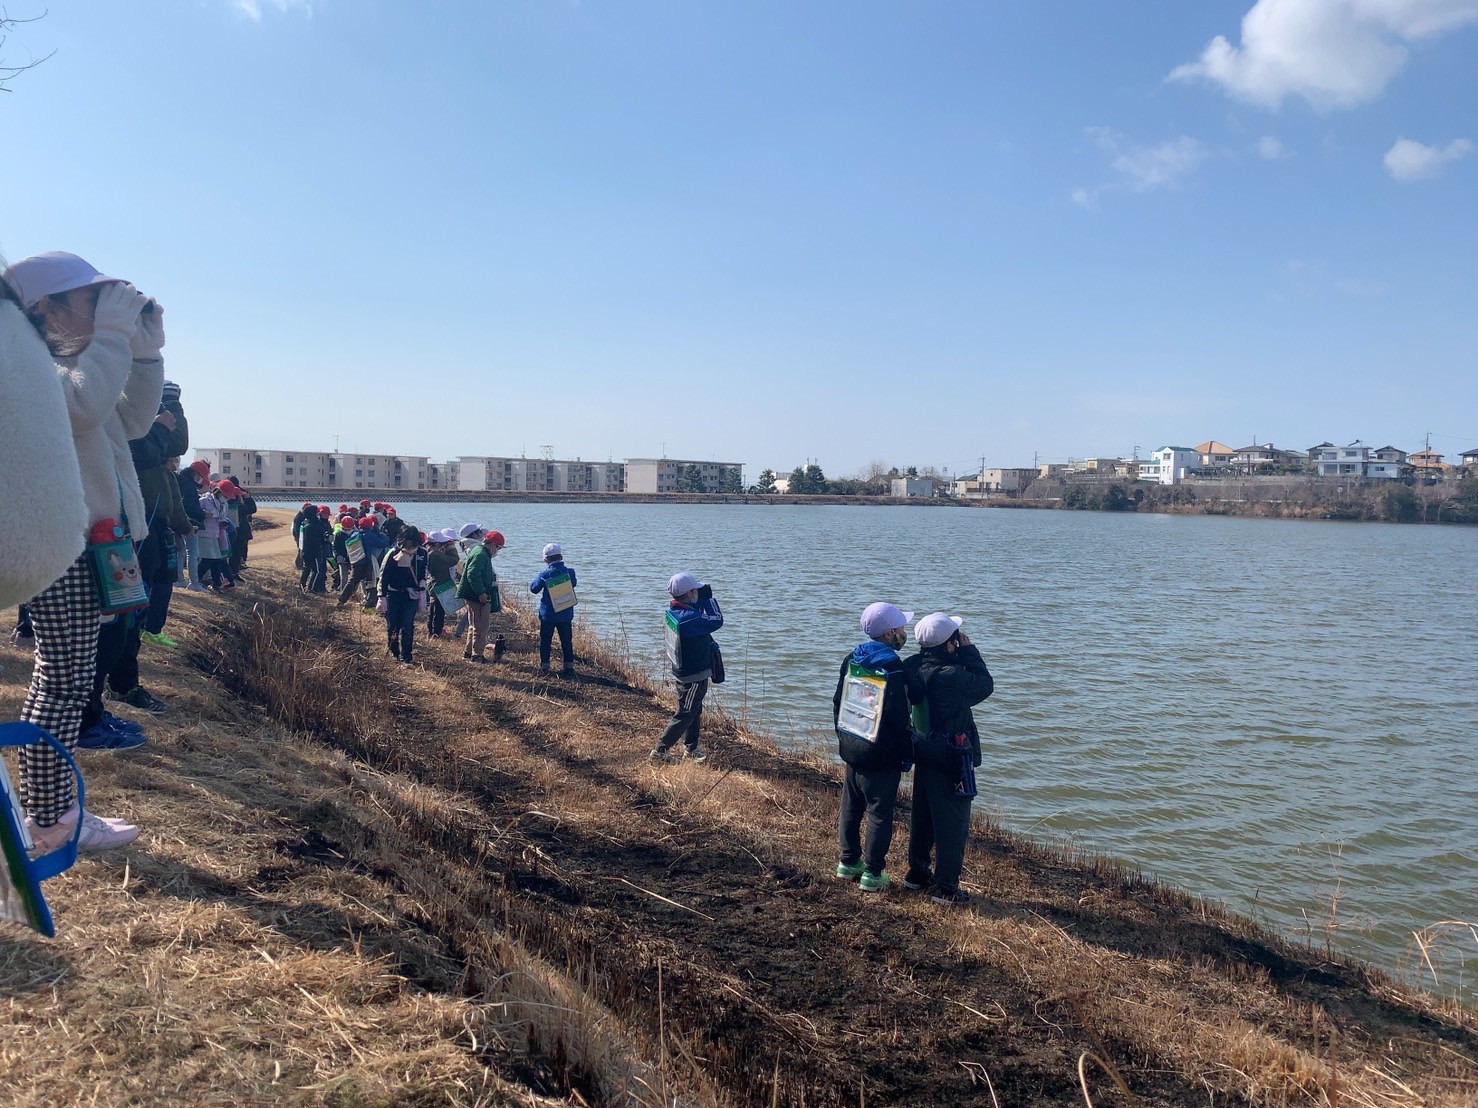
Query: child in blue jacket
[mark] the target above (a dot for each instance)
(555, 586)
(693, 616)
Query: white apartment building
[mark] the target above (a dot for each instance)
(661, 474)
(578, 476)
(1169, 465)
(295, 469)
(480, 473)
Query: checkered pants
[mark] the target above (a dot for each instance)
(65, 618)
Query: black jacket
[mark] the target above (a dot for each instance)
(951, 685)
(190, 497)
(893, 750)
(317, 536)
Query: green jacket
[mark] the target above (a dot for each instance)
(478, 576)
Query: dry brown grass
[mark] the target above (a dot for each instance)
(365, 885)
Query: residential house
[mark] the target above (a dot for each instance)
(1389, 454)
(1214, 455)
(912, 486)
(1266, 458)
(1051, 469)
(1428, 464)
(1169, 465)
(1469, 460)
(1354, 460)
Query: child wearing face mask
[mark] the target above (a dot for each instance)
(875, 739)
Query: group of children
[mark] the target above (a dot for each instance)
(891, 714)
(405, 572)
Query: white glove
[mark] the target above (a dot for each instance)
(148, 340)
(118, 309)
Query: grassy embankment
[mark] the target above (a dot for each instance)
(361, 884)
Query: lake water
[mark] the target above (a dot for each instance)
(1272, 713)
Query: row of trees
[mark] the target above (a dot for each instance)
(809, 480)
(691, 480)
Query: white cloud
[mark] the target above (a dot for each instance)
(252, 9)
(1270, 149)
(1410, 160)
(1333, 53)
(1147, 167)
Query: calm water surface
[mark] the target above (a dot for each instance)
(1267, 712)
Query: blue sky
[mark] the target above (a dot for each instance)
(916, 232)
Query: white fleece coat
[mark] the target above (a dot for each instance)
(110, 398)
(43, 518)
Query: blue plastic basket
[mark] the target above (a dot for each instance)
(24, 873)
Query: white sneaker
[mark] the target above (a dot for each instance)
(97, 833)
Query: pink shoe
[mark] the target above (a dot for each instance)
(97, 833)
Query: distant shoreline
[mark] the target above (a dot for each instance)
(1362, 506)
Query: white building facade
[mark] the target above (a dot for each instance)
(662, 474)
(1169, 465)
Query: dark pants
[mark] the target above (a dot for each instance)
(940, 823)
(159, 563)
(435, 618)
(24, 623)
(688, 717)
(210, 571)
(238, 554)
(400, 624)
(116, 660)
(359, 575)
(547, 628)
(873, 794)
(315, 570)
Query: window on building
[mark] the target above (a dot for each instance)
(225, 469)
(359, 473)
(225, 454)
(289, 458)
(288, 470)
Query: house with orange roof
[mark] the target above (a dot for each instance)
(1214, 454)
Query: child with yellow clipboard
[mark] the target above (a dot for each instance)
(556, 584)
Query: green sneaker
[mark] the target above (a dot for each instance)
(161, 639)
(874, 882)
(849, 871)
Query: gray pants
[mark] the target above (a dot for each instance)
(940, 824)
(688, 717)
(872, 794)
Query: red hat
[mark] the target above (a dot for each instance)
(323, 510)
(494, 537)
(307, 503)
(389, 509)
(364, 503)
(348, 521)
(343, 508)
(202, 467)
(228, 490)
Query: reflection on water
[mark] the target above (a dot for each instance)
(1260, 711)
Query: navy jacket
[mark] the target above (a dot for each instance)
(375, 542)
(951, 686)
(893, 750)
(547, 614)
(691, 654)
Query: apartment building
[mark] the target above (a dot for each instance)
(661, 474)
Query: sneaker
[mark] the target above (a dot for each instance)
(22, 636)
(658, 754)
(696, 755)
(956, 899)
(873, 882)
(142, 698)
(111, 733)
(915, 881)
(467, 654)
(97, 833)
(543, 671)
(568, 671)
(850, 871)
(160, 639)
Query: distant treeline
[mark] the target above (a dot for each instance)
(1395, 502)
